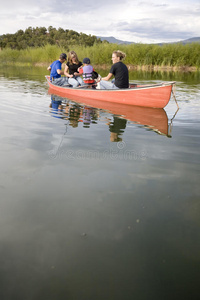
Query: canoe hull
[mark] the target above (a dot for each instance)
(157, 95)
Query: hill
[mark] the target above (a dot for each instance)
(41, 36)
(191, 40)
(113, 40)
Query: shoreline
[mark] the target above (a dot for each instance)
(149, 68)
(163, 68)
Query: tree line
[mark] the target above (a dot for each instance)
(41, 36)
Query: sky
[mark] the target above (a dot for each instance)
(151, 21)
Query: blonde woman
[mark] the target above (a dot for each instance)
(119, 70)
(71, 69)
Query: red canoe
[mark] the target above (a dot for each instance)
(154, 119)
(154, 95)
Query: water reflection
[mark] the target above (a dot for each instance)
(56, 103)
(136, 75)
(90, 115)
(91, 112)
(97, 220)
(74, 112)
(117, 127)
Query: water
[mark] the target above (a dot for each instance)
(94, 206)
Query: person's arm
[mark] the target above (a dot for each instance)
(80, 71)
(66, 72)
(107, 77)
(77, 73)
(60, 72)
(49, 68)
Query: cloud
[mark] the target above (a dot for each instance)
(138, 21)
(155, 29)
(171, 23)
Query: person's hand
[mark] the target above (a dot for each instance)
(98, 78)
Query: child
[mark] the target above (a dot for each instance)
(86, 71)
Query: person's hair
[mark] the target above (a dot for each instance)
(71, 55)
(63, 56)
(119, 54)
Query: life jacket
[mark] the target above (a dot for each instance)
(87, 72)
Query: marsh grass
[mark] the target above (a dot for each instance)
(167, 55)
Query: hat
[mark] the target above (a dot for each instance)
(63, 56)
(86, 60)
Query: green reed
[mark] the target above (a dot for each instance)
(100, 54)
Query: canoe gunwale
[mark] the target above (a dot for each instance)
(147, 86)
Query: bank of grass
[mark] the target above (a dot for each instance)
(138, 56)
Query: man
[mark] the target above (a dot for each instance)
(56, 71)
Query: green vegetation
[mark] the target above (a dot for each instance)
(40, 36)
(43, 51)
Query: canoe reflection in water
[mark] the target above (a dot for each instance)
(88, 113)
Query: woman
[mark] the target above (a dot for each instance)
(119, 70)
(71, 70)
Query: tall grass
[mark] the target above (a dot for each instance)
(100, 54)
(30, 56)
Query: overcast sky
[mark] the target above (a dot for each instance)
(145, 21)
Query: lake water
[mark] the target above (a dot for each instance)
(93, 205)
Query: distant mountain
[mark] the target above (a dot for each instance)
(113, 40)
(192, 40)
